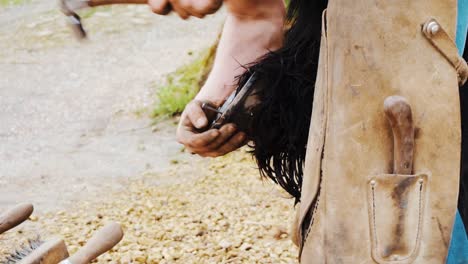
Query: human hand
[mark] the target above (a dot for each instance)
(185, 8)
(209, 143)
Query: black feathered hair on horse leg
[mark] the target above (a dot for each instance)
(287, 77)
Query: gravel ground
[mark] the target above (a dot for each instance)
(76, 140)
(225, 215)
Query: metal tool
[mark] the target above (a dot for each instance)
(71, 7)
(15, 216)
(237, 109)
(398, 113)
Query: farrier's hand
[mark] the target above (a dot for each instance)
(210, 143)
(185, 8)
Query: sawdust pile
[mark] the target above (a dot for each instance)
(228, 215)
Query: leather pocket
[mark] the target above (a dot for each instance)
(396, 210)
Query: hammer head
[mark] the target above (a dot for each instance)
(68, 7)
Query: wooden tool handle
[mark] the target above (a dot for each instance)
(15, 216)
(93, 3)
(398, 112)
(104, 239)
(113, 2)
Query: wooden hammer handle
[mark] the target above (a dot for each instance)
(15, 216)
(398, 112)
(93, 3)
(101, 242)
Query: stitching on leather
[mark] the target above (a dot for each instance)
(373, 218)
(420, 217)
(315, 206)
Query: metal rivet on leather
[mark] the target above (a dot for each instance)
(432, 28)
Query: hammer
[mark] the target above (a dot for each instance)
(398, 113)
(70, 7)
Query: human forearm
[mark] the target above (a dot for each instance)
(252, 28)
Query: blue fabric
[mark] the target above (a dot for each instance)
(462, 27)
(458, 251)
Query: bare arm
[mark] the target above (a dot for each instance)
(252, 28)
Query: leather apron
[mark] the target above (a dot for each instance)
(352, 209)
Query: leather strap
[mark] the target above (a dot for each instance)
(439, 38)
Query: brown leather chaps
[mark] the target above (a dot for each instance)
(354, 208)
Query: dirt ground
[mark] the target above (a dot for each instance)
(76, 140)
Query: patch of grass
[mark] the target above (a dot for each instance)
(12, 2)
(183, 84)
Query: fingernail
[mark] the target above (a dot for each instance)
(232, 128)
(214, 133)
(200, 122)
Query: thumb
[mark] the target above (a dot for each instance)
(196, 115)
